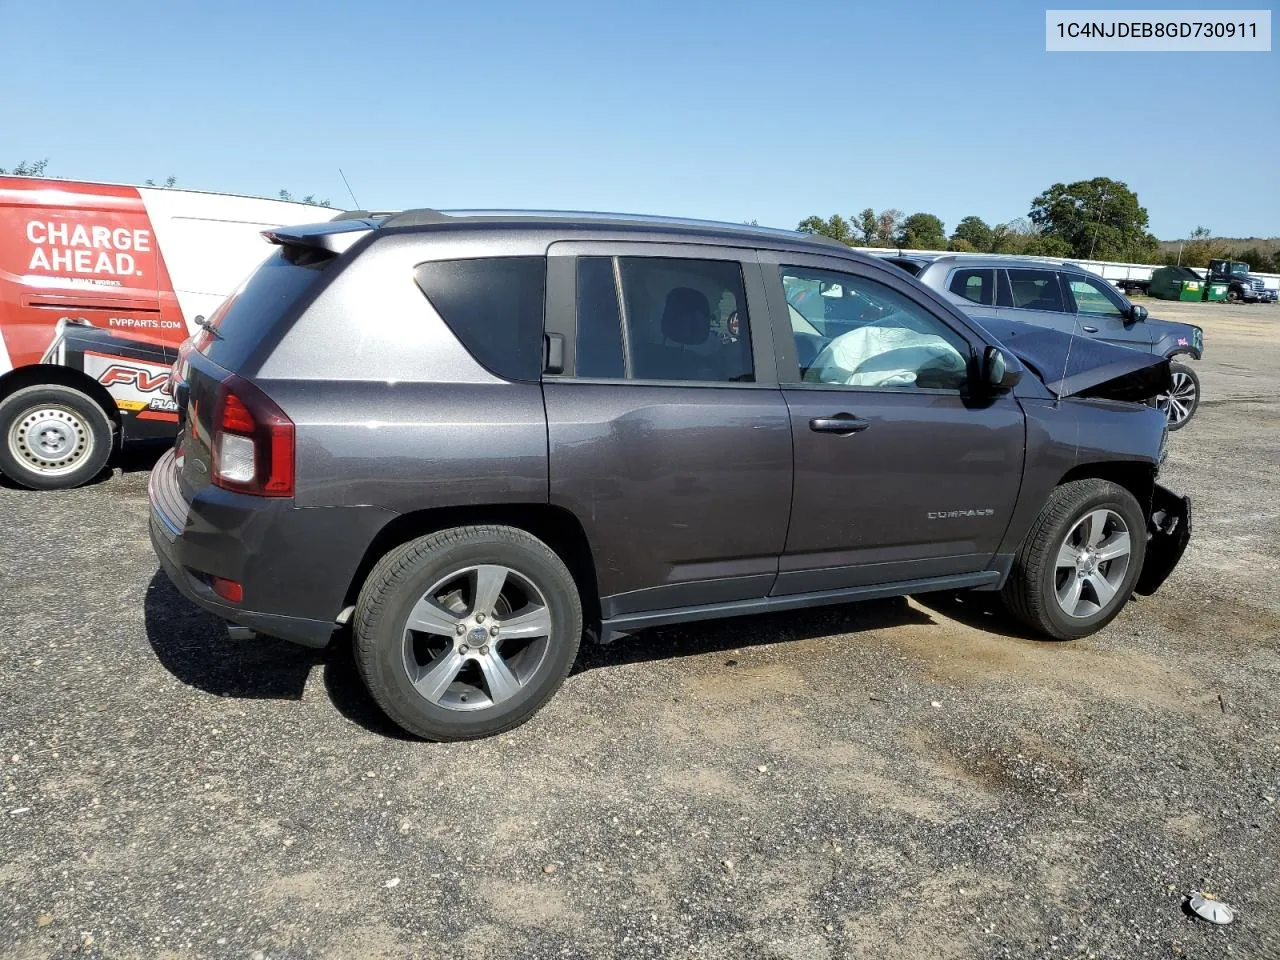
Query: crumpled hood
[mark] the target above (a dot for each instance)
(1079, 366)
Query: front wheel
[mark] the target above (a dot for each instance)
(1077, 566)
(1183, 399)
(53, 437)
(467, 632)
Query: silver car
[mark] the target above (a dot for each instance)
(1069, 298)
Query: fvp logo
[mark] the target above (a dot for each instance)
(145, 381)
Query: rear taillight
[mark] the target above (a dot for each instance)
(252, 441)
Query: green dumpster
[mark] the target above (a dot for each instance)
(1215, 292)
(1176, 283)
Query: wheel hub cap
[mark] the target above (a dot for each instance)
(50, 440)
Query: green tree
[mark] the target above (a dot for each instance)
(1259, 261)
(169, 181)
(922, 231)
(1098, 219)
(28, 168)
(868, 226)
(309, 198)
(974, 232)
(836, 227)
(1200, 248)
(1022, 238)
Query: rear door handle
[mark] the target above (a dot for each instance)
(1088, 329)
(841, 423)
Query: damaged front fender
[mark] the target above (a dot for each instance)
(1168, 532)
(1074, 366)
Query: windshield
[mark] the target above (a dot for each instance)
(1241, 268)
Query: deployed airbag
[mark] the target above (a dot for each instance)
(888, 353)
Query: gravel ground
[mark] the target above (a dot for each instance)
(894, 780)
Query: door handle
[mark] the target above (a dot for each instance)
(842, 423)
(1088, 329)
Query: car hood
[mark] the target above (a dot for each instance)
(1072, 366)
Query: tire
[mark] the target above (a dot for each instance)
(1183, 399)
(53, 437)
(449, 682)
(1039, 579)
(1233, 295)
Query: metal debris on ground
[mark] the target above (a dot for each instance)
(1208, 907)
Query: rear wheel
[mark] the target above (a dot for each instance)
(53, 437)
(1182, 400)
(467, 632)
(1077, 567)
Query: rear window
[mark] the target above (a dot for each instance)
(979, 286)
(493, 305)
(246, 316)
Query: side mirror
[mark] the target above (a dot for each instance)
(1000, 371)
(1137, 312)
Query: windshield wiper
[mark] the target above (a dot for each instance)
(207, 325)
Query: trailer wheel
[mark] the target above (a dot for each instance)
(53, 437)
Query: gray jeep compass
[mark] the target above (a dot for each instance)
(475, 437)
(1069, 298)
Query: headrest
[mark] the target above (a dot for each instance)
(686, 317)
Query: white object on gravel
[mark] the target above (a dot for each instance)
(1208, 907)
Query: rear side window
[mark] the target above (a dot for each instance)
(494, 306)
(677, 320)
(686, 320)
(978, 286)
(250, 313)
(1036, 290)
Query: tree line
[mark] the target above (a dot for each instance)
(1098, 219)
(37, 168)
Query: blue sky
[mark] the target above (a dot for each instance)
(726, 110)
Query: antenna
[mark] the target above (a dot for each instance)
(1064, 286)
(349, 190)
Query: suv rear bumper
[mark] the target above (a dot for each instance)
(295, 564)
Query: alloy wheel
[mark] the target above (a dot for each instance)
(1091, 564)
(477, 637)
(1180, 401)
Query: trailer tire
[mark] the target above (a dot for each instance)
(53, 437)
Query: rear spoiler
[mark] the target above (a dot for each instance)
(333, 237)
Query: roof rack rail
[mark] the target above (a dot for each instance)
(823, 238)
(417, 218)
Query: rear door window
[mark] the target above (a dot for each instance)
(249, 314)
(686, 320)
(1036, 290)
(977, 286)
(663, 319)
(494, 306)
